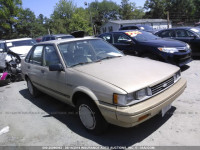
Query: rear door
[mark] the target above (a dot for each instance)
(34, 67)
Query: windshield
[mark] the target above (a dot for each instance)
(87, 51)
(21, 43)
(196, 30)
(147, 28)
(141, 36)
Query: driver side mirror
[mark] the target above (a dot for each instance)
(56, 67)
(128, 42)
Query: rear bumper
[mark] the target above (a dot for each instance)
(131, 116)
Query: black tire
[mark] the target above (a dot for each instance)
(95, 123)
(32, 89)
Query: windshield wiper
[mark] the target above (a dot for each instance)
(109, 57)
(81, 63)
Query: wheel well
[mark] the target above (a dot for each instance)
(26, 77)
(77, 95)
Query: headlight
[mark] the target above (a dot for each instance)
(187, 46)
(177, 76)
(168, 49)
(131, 98)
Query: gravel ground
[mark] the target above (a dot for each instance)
(45, 121)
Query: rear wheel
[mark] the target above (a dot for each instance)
(32, 90)
(90, 116)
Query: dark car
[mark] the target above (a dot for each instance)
(56, 37)
(145, 44)
(190, 35)
(139, 27)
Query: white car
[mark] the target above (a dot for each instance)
(11, 53)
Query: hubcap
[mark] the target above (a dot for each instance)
(87, 116)
(30, 88)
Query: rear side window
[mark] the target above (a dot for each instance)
(36, 57)
(181, 33)
(107, 37)
(168, 33)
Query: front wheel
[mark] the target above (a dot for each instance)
(90, 116)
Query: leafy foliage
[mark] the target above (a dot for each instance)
(9, 10)
(16, 22)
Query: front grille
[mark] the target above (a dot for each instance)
(161, 86)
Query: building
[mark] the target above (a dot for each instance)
(114, 25)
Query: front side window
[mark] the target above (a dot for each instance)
(50, 56)
(87, 51)
(120, 38)
(36, 57)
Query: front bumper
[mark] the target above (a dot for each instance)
(131, 115)
(179, 59)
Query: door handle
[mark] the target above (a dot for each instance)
(29, 67)
(42, 71)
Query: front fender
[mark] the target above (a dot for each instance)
(86, 91)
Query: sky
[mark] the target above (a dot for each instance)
(46, 7)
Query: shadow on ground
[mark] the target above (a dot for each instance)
(115, 136)
(184, 68)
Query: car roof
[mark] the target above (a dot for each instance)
(187, 28)
(57, 35)
(123, 31)
(21, 39)
(67, 40)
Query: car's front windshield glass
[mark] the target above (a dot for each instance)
(196, 30)
(141, 36)
(87, 51)
(21, 43)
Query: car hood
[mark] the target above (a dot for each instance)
(164, 43)
(128, 72)
(21, 50)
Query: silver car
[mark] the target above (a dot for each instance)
(103, 84)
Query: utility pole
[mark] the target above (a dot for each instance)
(168, 19)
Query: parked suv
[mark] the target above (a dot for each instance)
(103, 84)
(56, 37)
(145, 44)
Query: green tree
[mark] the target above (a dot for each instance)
(156, 9)
(126, 9)
(103, 11)
(9, 10)
(80, 22)
(26, 23)
(62, 16)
